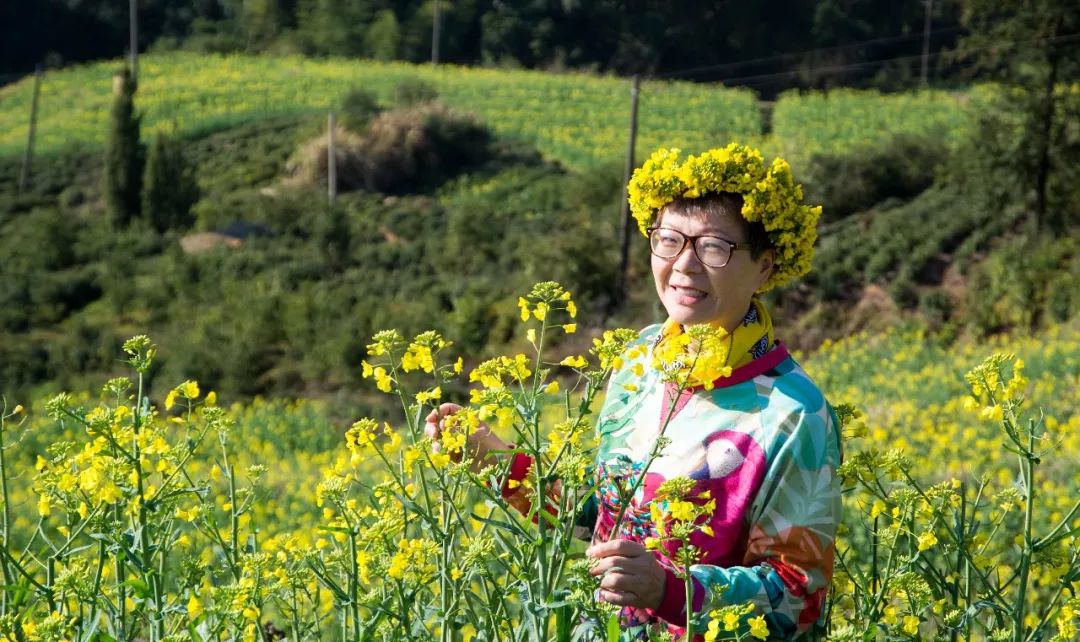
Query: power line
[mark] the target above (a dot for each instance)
(870, 63)
(797, 54)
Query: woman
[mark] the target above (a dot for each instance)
(722, 228)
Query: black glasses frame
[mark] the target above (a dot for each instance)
(732, 246)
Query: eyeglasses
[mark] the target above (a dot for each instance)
(712, 251)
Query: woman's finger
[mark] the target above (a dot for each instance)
(620, 547)
(620, 583)
(618, 598)
(606, 565)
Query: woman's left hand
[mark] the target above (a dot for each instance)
(630, 574)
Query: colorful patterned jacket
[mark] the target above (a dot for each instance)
(766, 444)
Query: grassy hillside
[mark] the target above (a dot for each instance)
(578, 119)
(846, 120)
(901, 236)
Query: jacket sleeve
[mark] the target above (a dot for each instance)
(792, 525)
(515, 494)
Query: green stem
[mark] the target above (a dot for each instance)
(121, 588)
(50, 582)
(154, 581)
(18, 567)
(97, 583)
(874, 557)
(1028, 468)
(5, 543)
(295, 616)
(688, 582)
(1053, 602)
(991, 589)
(233, 555)
(180, 465)
(444, 585)
(653, 454)
(961, 538)
(1050, 538)
(354, 581)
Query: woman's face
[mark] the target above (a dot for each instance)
(695, 293)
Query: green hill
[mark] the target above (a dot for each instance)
(287, 305)
(578, 119)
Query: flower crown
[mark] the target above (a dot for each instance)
(770, 196)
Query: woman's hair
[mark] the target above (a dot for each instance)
(727, 205)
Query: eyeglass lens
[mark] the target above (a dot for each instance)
(711, 250)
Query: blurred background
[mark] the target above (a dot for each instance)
(262, 184)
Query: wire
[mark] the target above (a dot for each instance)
(786, 56)
(871, 63)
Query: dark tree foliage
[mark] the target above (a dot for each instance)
(769, 46)
(169, 187)
(123, 154)
(1027, 138)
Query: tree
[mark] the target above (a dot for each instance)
(383, 37)
(1029, 47)
(123, 154)
(170, 189)
(333, 27)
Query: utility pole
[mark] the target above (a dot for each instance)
(331, 161)
(134, 44)
(926, 43)
(28, 155)
(435, 28)
(624, 207)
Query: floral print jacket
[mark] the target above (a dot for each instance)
(765, 443)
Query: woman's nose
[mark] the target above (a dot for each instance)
(687, 260)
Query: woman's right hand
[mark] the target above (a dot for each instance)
(478, 444)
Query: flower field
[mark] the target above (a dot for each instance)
(843, 120)
(174, 518)
(578, 119)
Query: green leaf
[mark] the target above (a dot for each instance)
(504, 525)
(141, 588)
(613, 627)
(193, 633)
(562, 624)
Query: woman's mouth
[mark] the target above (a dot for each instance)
(687, 295)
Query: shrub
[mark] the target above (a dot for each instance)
(169, 184)
(1025, 283)
(413, 91)
(935, 305)
(358, 107)
(853, 182)
(123, 155)
(405, 150)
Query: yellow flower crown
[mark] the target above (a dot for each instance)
(770, 196)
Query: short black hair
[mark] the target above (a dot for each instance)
(727, 204)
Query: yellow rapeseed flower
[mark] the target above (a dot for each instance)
(758, 628)
(576, 361)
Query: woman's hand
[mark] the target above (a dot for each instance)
(478, 444)
(630, 574)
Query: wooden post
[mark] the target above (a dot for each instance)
(926, 43)
(435, 28)
(134, 34)
(331, 161)
(28, 155)
(624, 206)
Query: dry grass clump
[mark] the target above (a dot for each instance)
(402, 150)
